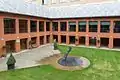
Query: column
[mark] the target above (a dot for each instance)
(87, 31)
(67, 26)
(67, 39)
(59, 36)
(45, 32)
(38, 40)
(17, 43)
(98, 35)
(110, 42)
(111, 34)
(87, 26)
(76, 26)
(67, 35)
(87, 40)
(76, 37)
(98, 28)
(111, 27)
(45, 39)
(51, 35)
(2, 41)
(29, 36)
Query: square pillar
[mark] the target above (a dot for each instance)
(87, 40)
(17, 45)
(2, 41)
(67, 26)
(111, 34)
(76, 37)
(87, 26)
(110, 42)
(111, 27)
(17, 42)
(58, 26)
(67, 39)
(67, 35)
(59, 38)
(38, 40)
(45, 39)
(17, 26)
(98, 27)
(28, 25)
(51, 35)
(37, 26)
(77, 27)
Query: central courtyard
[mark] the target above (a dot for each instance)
(105, 64)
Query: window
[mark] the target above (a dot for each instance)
(117, 27)
(72, 26)
(93, 26)
(55, 26)
(33, 26)
(63, 26)
(82, 26)
(105, 26)
(41, 26)
(23, 27)
(9, 26)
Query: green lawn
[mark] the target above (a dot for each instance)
(105, 65)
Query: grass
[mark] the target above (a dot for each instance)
(105, 65)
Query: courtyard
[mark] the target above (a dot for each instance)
(104, 65)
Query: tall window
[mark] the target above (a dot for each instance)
(9, 26)
(33, 26)
(117, 27)
(105, 26)
(41, 26)
(93, 26)
(47, 26)
(63, 26)
(55, 26)
(23, 26)
(82, 26)
(72, 26)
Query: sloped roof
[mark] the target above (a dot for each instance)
(70, 11)
(21, 7)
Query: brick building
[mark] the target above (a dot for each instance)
(83, 24)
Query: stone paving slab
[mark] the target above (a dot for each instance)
(29, 58)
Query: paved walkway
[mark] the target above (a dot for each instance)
(28, 58)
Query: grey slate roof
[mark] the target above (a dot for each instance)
(80, 10)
